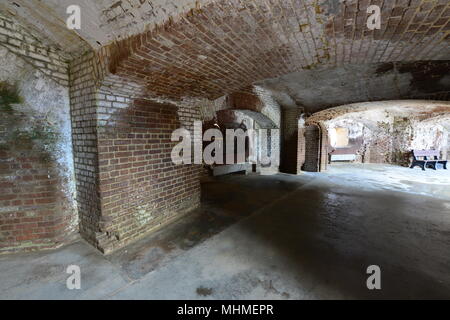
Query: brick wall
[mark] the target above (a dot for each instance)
(37, 188)
(290, 137)
(84, 136)
(33, 211)
(48, 59)
(225, 46)
(126, 182)
(140, 187)
(312, 148)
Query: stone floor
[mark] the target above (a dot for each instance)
(271, 237)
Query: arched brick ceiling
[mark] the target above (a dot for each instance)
(326, 87)
(47, 20)
(227, 45)
(102, 21)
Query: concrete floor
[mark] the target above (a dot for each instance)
(271, 237)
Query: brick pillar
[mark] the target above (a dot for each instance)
(127, 184)
(85, 148)
(324, 148)
(289, 140)
(301, 149)
(312, 148)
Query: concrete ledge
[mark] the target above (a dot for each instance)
(343, 157)
(230, 168)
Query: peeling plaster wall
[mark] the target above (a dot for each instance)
(38, 207)
(355, 130)
(357, 134)
(111, 161)
(430, 135)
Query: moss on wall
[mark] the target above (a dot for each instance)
(9, 95)
(19, 135)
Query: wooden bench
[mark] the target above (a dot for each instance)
(427, 159)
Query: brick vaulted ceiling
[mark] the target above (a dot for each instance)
(207, 48)
(227, 45)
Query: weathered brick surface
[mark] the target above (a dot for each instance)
(290, 137)
(37, 208)
(379, 151)
(410, 30)
(49, 60)
(84, 138)
(228, 45)
(386, 132)
(140, 187)
(126, 183)
(33, 211)
(316, 148)
(312, 146)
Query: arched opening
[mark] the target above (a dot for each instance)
(247, 141)
(382, 132)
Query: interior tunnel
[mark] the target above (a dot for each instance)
(225, 149)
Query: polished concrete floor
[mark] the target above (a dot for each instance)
(271, 237)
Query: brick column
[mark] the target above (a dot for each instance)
(85, 148)
(289, 140)
(324, 148)
(127, 184)
(312, 148)
(301, 148)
